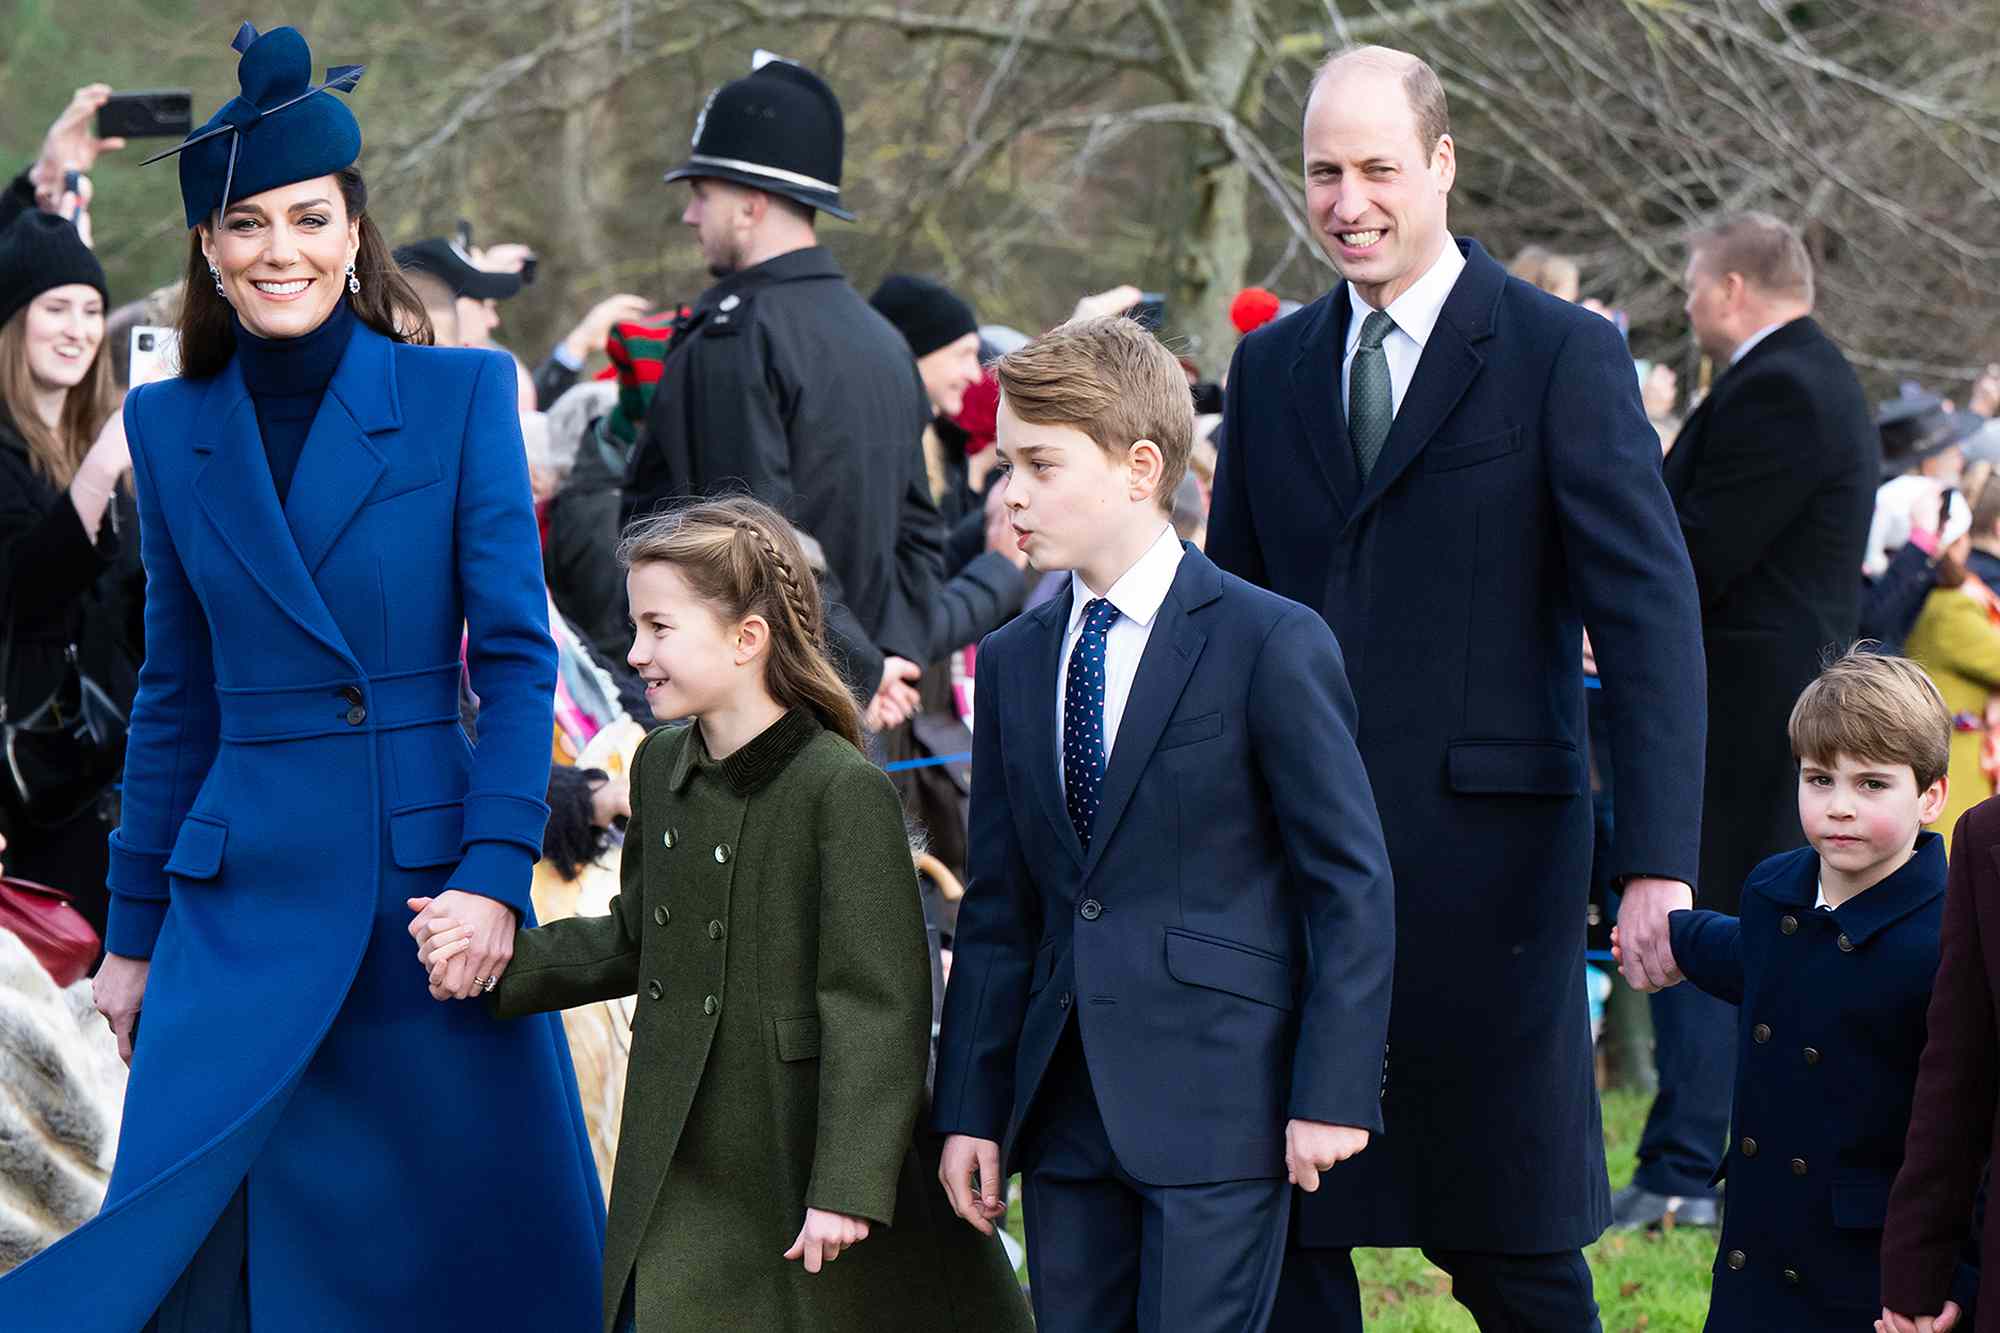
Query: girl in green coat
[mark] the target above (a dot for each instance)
(768, 1174)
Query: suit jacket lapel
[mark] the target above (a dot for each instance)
(1172, 650)
(339, 466)
(1321, 440)
(236, 493)
(1039, 730)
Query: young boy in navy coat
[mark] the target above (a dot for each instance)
(1831, 967)
(1170, 993)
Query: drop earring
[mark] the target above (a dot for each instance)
(353, 283)
(214, 273)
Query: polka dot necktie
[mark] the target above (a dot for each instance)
(1371, 403)
(1083, 717)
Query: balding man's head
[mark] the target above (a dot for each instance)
(1422, 90)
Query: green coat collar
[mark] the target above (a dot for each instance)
(751, 767)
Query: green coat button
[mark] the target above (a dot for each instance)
(715, 930)
(710, 1005)
(721, 853)
(661, 916)
(654, 990)
(670, 838)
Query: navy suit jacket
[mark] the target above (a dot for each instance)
(1226, 943)
(1517, 498)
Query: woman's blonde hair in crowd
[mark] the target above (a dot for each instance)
(740, 556)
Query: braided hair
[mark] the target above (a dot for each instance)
(744, 559)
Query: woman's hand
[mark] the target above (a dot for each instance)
(611, 799)
(118, 989)
(71, 145)
(488, 940)
(824, 1236)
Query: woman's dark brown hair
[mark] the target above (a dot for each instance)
(743, 559)
(386, 303)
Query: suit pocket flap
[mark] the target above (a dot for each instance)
(798, 1038)
(1861, 1205)
(428, 835)
(1448, 456)
(1514, 768)
(1195, 729)
(1238, 969)
(197, 850)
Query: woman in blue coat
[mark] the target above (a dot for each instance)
(326, 506)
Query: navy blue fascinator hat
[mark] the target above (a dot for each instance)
(281, 128)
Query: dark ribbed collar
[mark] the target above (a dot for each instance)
(291, 367)
(754, 765)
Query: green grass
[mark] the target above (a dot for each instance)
(1651, 1283)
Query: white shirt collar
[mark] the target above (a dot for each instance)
(1743, 348)
(1142, 589)
(1416, 311)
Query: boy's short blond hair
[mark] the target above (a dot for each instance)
(1110, 379)
(1876, 709)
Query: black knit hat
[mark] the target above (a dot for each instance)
(928, 314)
(40, 252)
(778, 130)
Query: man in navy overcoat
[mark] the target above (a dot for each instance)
(1459, 490)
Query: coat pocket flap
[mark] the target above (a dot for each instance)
(1514, 768)
(1450, 455)
(1238, 969)
(421, 836)
(197, 850)
(1861, 1205)
(1190, 732)
(798, 1038)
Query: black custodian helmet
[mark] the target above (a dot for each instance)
(779, 129)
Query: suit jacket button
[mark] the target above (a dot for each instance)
(709, 1005)
(1798, 1166)
(670, 838)
(654, 990)
(1737, 1259)
(1063, 1002)
(1761, 1033)
(1792, 1277)
(661, 916)
(1846, 945)
(1749, 1147)
(1788, 924)
(356, 715)
(715, 930)
(721, 853)
(1090, 909)
(1812, 1055)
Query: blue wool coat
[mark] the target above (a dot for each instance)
(1831, 1023)
(296, 771)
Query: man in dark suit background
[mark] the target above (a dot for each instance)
(1456, 471)
(1774, 478)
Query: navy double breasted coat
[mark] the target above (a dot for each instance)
(1518, 498)
(296, 770)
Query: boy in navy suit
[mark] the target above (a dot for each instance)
(1170, 994)
(1830, 966)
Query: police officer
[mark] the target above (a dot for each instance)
(783, 381)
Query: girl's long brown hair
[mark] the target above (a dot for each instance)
(386, 302)
(55, 453)
(741, 557)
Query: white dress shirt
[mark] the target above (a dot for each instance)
(1138, 596)
(1743, 348)
(1416, 313)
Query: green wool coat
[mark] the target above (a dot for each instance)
(769, 924)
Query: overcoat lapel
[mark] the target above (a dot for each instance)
(1321, 439)
(340, 466)
(1040, 728)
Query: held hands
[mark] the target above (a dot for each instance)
(1312, 1147)
(965, 1157)
(1644, 949)
(896, 697)
(465, 940)
(118, 989)
(824, 1236)
(1618, 957)
(1942, 1322)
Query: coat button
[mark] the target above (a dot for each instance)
(1792, 1277)
(661, 916)
(1798, 1166)
(1812, 1055)
(709, 1005)
(715, 930)
(670, 838)
(1761, 1033)
(1789, 925)
(1090, 909)
(1749, 1147)
(654, 990)
(356, 715)
(1846, 945)
(1737, 1259)
(1063, 1003)
(721, 853)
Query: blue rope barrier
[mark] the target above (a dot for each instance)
(935, 761)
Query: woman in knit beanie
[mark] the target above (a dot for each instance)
(69, 551)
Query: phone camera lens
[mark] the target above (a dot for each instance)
(145, 342)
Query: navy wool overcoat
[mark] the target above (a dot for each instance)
(296, 771)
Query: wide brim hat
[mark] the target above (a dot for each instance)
(779, 129)
(443, 257)
(1917, 426)
(281, 128)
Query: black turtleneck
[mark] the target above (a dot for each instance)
(286, 378)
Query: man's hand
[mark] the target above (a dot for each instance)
(896, 697)
(1942, 1322)
(594, 329)
(491, 940)
(118, 990)
(824, 1236)
(70, 145)
(1312, 1147)
(1646, 951)
(978, 1202)
(1114, 302)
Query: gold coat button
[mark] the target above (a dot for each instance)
(1749, 1147)
(1846, 945)
(1737, 1259)
(710, 1005)
(661, 916)
(1788, 924)
(721, 853)
(1761, 1033)
(670, 838)
(654, 990)
(715, 930)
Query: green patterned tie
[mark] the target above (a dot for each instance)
(1371, 406)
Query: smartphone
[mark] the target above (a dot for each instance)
(156, 354)
(1151, 311)
(164, 113)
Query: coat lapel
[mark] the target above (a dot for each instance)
(339, 465)
(236, 493)
(1321, 439)
(1040, 706)
(1172, 650)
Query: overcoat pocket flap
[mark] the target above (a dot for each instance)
(798, 1038)
(1219, 965)
(427, 835)
(1861, 1204)
(1045, 966)
(197, 850)
(1195, 729)
(1514, 768)
(1450, 455)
